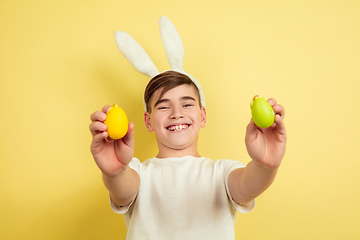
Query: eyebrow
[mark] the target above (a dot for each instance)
(188, 98)
(168, 100)
(161, 101)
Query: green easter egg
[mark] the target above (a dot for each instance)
(262, 112)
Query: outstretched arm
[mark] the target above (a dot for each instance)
(112, 158)
(266, 147)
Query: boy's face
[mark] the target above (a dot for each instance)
(176, 119)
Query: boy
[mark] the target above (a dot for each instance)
(178, 194)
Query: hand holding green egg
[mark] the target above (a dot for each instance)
(116, 122)
(262, 112)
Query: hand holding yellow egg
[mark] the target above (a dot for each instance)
(116, 122)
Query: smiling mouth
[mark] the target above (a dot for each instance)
(176, 128)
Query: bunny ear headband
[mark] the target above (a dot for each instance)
(141, 61)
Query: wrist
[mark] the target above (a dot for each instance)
(119, 172)
(265, 166)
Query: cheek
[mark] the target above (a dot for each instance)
(158, 119)
(196, 118)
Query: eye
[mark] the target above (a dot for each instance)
(163, 108)
(187, 105)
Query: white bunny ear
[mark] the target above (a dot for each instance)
(172, 43)
(174, 49)
(135, 54)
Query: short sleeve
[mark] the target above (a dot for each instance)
(134, 164)
(229, 166)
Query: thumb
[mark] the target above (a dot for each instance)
(129, 137)
(251, 132)
(124, 147)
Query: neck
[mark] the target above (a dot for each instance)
(165, 152)
(176, 155)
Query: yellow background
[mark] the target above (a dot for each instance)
(59, 63)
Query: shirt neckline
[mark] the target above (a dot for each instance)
(179, 158)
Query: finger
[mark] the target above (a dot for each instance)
(280, 125)
(279, 110)
(96, 127)
(106, 109)
(98, 116)
(98, 139)
(272, 101)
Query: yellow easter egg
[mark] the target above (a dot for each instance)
(116, 122)
(262, 112)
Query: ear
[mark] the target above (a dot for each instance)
(203, 117)
(148, 122)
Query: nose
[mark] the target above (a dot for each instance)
(176, 113)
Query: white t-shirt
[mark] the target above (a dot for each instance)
(182, 198)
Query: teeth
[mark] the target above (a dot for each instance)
(177, 127)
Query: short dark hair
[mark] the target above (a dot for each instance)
(167, 81)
